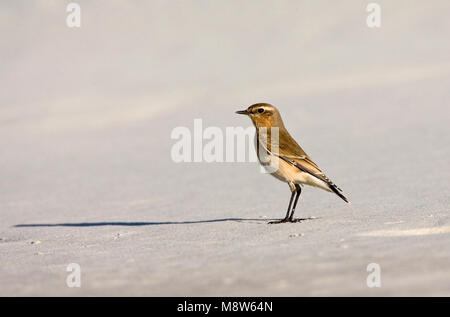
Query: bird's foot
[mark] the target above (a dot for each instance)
(285, 220)
(278, 221)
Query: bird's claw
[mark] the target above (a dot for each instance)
(285, 220)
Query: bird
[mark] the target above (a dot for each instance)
(283, 158)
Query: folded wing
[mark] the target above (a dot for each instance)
(293, 154)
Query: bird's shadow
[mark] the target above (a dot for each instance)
(137, 224)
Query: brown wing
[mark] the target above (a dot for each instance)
(291, 152)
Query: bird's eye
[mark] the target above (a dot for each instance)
(260, 110)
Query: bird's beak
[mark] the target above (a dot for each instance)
(242, 112)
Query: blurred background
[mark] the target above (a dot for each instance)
(85, 121)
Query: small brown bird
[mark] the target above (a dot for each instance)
(283, 157)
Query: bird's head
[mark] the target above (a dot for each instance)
(263, 115)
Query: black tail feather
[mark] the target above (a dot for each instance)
(335, 189)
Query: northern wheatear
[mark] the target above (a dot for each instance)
(276, 147)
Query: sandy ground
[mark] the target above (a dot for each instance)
(87, 177)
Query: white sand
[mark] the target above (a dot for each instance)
(85, 122)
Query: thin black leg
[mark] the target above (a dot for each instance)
(298, 191)
(286, 218)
